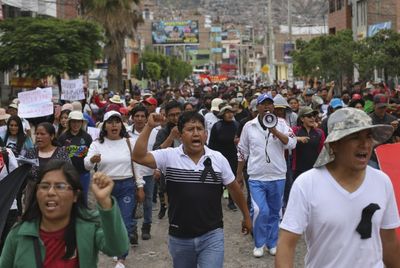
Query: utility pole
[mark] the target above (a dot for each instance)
(271, 43)
(290, 64)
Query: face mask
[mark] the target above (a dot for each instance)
(239, 99)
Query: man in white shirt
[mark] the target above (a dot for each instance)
(211, 117)
(264, 148)
(346, 209)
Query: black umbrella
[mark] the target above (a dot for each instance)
(9, 187)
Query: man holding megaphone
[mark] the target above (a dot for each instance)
(263, 142)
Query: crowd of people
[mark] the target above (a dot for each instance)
(303, 158)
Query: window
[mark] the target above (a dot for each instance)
(332, 7)
(339, 4)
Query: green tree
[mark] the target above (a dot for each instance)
(381, 51)
(328, 56)
(151, 71)
(172, 67)
(119, 19)
(41, 47)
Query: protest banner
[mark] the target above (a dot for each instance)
(93, 132)
(389, 163)
(35, 103)
(72, 90)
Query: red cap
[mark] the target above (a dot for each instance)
(151, 101)
(356, 97)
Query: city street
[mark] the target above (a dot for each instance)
(238, 248)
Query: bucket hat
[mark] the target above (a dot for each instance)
(347, 121)
(116, 99)
(306, 110)
(280, 102)
(76, 115)
(224, 109)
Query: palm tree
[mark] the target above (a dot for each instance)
(119, 19)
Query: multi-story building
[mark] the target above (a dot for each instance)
(339, 17)
(371, 16)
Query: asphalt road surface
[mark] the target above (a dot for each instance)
(154, 253)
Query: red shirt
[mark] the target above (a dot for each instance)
(55, 250)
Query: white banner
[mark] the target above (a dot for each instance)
(38, 95)
(35, 110)
(72, 90)
(35, 103)
(94, 132)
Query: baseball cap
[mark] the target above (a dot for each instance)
(380, 100)
(110, 114)
(336, 103)
(309, 92)
(264, 97)
(151, 101)
(347, 121)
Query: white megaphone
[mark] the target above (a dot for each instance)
(270, 120)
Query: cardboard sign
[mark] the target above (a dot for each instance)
(72, 90)
(94, 132)
(35, 103)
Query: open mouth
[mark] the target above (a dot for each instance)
(196, 142)
(51, 205)
(362, 156)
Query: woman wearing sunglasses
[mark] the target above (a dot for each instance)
(57, 230)
(310, 140)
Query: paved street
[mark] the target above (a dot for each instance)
(238, 248)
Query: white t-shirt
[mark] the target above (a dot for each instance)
(329, 215)
(115, 158)
(210, 119)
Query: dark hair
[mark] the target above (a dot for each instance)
(21, 137)
(103, 133)
(186, 104)
(189, 116)
(353, 103)
(60, 127)
(171, 105)
(139, 108)
(72, 177)
(49, 128)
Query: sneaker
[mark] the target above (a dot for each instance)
(119, 265)
(232, 206)
(163, 210)
(272, 251)
(258, 252)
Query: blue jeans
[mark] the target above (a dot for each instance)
(124, 191)
(148, 200)
(85, 181)
(266, 203)
(203, 251)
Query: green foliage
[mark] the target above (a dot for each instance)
(381, 51)
(171, 67)
(48, 46)
(328, 56)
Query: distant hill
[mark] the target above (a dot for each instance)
(304, 12)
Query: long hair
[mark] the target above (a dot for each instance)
(33, 211)
(21, 137)
(62, 129)
(103, 132)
